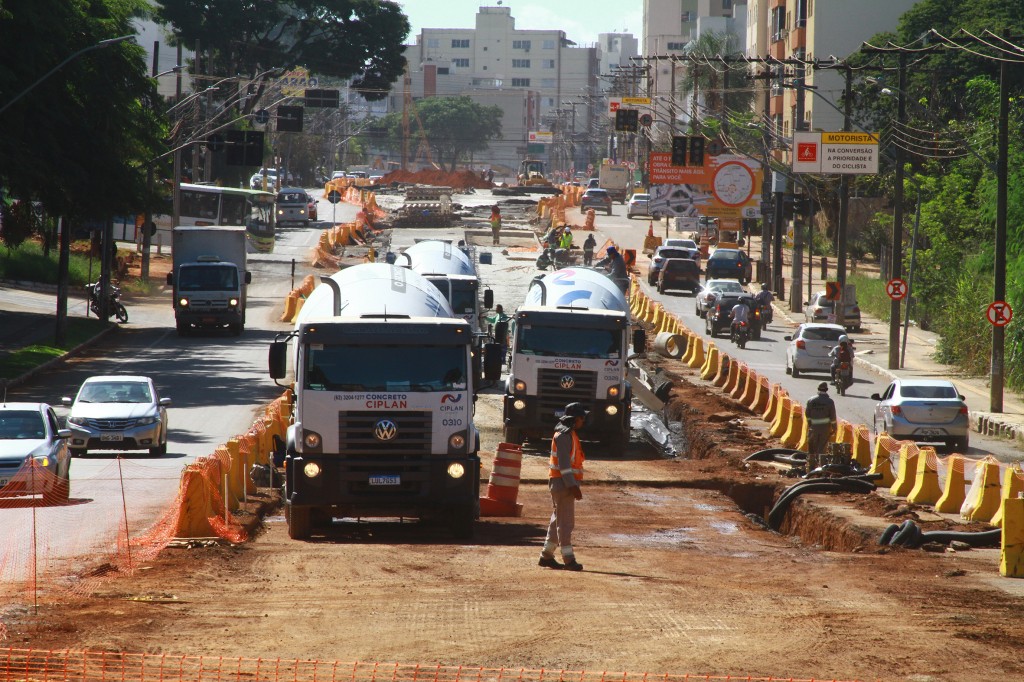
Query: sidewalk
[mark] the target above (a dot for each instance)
(872, 353)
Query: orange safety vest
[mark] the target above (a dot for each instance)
(576, 458)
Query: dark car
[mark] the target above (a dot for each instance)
(679, 273)
(597, 199)
(663, 253)
(718, 321)
(728, 264)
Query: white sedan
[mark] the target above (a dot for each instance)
(809, 346)
(711, 289)
(34, 457)
(638, 205)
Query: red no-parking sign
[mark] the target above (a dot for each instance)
(999, 313)
(897, 289)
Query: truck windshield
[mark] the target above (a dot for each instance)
(463, 298)
(208, 278)
(385, 368)
(565, 341)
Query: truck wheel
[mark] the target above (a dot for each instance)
(513, 435)
(462, 523)
(617, 444)
(300, 523)
(183, 329)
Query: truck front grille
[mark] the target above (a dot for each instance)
(558, 387)
(366, 433)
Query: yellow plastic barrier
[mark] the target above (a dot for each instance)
(762, 393)
(794, 431)
(1011, 553)
(926, 484)
(955, 490)
(726, 368)
(1012, 488)
(290, 303)
(881, 461)
(862, 445)
(742, 377)
(904, 482)
(697, 356)
(711, 363)
(746, 397)
(733, 379)
(983, 498)
(773, 404)
(805, 435)
(783, 417)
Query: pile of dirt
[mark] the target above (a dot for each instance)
(464, 179)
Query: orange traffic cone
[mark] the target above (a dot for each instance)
(503, 486)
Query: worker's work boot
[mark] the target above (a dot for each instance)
(572, 565)
(549, 562)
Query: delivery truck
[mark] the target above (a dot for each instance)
(209, 277)
(617, 180)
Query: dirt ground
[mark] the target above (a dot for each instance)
(678, 579)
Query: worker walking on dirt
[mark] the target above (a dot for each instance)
(820, 414)
(495, 221)
(565, 472)
(588, 249)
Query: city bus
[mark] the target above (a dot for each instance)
(204, 205)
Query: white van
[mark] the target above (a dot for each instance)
(292, 206)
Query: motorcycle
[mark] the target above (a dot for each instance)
(740, 333)
(842, 377)
(114, 305)
(766, 313)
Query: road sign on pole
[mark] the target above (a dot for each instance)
(897, 289)
(831, 291)
(999, 313)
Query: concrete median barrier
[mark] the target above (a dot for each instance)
(709, 370)
(1011, 552)
(983, 497)
(696, 355)
(795, 429)
(954, 491)
(726, 367)
(1012, 488)
(783, 417)
(926, 479)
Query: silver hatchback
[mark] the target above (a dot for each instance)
(923, 410)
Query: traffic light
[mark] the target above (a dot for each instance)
(696, 151)
(627, 120)
(289, 119)
(324, 99)
(244, 148)
(679, 150)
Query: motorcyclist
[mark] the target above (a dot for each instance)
(740, 314)
(764, 300)
(842, 352)
(616, 267)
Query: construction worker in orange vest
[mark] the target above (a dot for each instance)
(565, 472)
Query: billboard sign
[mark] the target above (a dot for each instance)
(726, 186)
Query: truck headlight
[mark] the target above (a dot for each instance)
(456, 470)
(612, 410)
(312, 469)
(457, 441)
(519, 404)
(233, 302)
(613, 391)
(183, 302)
(312, 440)
(519, 386)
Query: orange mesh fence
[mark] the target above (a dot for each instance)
(100, 666)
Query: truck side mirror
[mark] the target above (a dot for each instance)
(488, 298)
(639, 340)
(248, 277)
(277, 359)
(493, 361)
(170, 278)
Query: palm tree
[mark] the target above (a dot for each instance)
(719, 84)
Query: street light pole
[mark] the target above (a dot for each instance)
(896, 248)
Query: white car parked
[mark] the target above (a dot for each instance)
(809, 346)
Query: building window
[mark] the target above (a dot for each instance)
(520, 82)
(726, 4)
(547, 82)
(550, 101)
(460, 42)
(549, 44)
(547, 63)
(778, 24)
(433, 42)
(520, 44)
(801, 13)
(687, 17)
(520, 63)
(461, 63)
(675, 46)
(442, 71)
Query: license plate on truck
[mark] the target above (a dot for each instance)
(386, 479)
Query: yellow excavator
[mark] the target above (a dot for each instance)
(531, 174)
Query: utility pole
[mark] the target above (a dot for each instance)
(896, 249)
(844, 205)
(796, 285)
(999, 290)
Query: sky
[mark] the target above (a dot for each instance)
(581, 20)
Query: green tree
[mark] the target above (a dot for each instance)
(358, 39)
(77, 140)
(453, 127)
(723, 86)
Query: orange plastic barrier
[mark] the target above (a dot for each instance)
(503, 486)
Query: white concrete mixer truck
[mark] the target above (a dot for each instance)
(452, 271)
(571, 344)
(384, 399)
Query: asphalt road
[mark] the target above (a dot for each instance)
(217, 383)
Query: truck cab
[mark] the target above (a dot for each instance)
(209, 278)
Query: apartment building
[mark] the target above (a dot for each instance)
(531, 74)
(815, 29)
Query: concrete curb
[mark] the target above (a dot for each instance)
(16, 381)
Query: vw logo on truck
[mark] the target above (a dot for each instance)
(385, 429)
(567, 381)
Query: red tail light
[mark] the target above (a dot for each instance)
(801, 345)
(856, 309)
(963, 409)
(896, 409)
